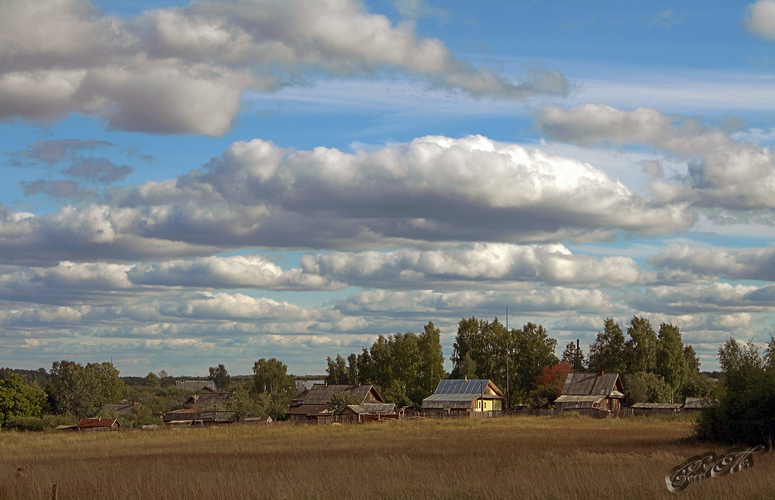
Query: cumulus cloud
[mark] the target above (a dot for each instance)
(49, 153)
(712, 263)
(422, 303)
(718, 298)
(760, 19)
(497, 264)
(184, 69)
(723, 172)
(430, 190)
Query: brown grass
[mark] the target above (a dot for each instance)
(521, 457)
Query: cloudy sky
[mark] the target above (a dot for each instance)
(217, 181)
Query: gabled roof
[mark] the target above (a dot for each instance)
(657, 406)
(693, 403)
(207, 399)
(321, 394)
(593, 384)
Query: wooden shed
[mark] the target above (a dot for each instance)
(463, 398)
(656, 409)
(98, 424)
(693, 404)
(595, 394)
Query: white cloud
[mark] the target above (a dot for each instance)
(498, 264)
(723, 173)
(713, 263)
(760, 19)
(183, 70)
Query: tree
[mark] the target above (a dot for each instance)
(646, 387)
(337, 371)
(549, 383)
(641, 348)
(271, 377)
(19, 400)
(535, 350)
(431, 368)
(84, 390)
(220, 376)
(606, 353)
(671, 362)
(152, 381)
(574, 355)
(340, 399)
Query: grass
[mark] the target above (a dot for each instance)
(520, 457)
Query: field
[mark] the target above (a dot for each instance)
(519, 457)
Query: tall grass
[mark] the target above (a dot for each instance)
(522, 457)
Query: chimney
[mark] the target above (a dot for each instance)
(601, 372)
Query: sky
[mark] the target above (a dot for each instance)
(218, 181)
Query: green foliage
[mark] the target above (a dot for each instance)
(607, 351)
(574, 355)
(487, 350)
(671, 361)
(244, 405)
(339, 401)
(21, 423)
(152, 381)
(645, 387)
(641, 348)
(743, 412)
(405, 368)
(84, 390)
(19, 400)
(271, 377)
(220, 376)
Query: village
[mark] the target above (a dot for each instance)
(596, 395)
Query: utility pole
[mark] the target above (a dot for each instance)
(508, 348)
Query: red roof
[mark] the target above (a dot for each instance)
(90, 423)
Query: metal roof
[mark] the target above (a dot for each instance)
(378, 407)
(473, 386)
(587, 384)
(579, 399)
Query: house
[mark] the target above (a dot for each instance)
(463, 398)
(98, 424)
(303, 387)
(697, 404)
(313, 408)
(594, 394)
(656, 409)
(195, 385)
(217, 417)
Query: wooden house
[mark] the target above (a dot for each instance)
(98, 424)
(313, 409)
(594, 394)
(463, 398)
(210, 400)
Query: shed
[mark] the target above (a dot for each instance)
(184, 416)
(591, 392)
(98, 424)
(465, 397)
(656, 409)
(693, 404)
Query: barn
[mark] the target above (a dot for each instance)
(594, 394)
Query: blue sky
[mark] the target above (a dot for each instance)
(188, 184)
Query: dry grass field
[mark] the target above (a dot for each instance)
(520, 458)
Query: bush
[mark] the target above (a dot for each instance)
(24, 423)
